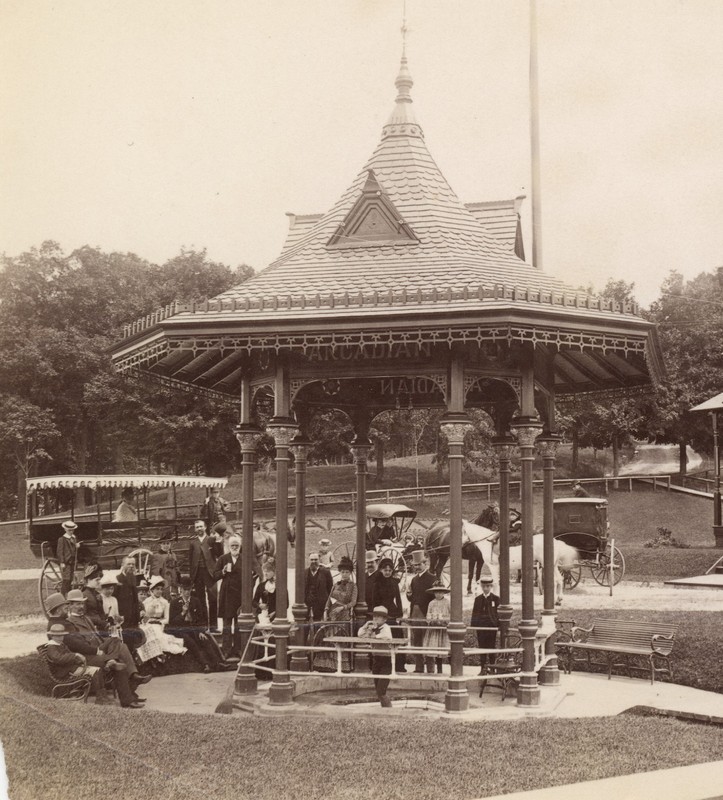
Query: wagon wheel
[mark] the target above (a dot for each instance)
(344, 550)
(601, 569)
(49, 583)
(570, 577)
(142, 557)
(399, 565)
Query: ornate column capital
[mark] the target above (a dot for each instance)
(454, 426)
(248, 437)
(526, 429)
(547, 445)
(300, 447)
(504, 445)
(282, 430)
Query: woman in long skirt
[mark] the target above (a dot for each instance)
(154, 619)
(438, 614)
(339, 609)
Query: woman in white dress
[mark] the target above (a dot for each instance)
(154, 618)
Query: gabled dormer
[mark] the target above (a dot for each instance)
(372, 220)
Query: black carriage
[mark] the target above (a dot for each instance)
(104, 540)
(388, 525)
(582, 522)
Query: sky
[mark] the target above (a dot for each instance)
(148, 126)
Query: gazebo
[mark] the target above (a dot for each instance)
(400, 290)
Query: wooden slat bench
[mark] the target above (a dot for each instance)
(634, 646)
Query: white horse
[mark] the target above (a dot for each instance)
(565, 558)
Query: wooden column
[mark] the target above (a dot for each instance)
(527, 430)
(283, 428)
(454, 424)
(248, 437)
(547, 445)
(300, 449)
(504, 445)
(360, 448)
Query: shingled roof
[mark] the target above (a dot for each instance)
(453, 246)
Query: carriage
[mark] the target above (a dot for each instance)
(582, 522)
(102, 540)
(388, 526)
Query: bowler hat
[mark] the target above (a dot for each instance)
(371, 556)
(69, 525)
(220, 527)
(75, 596)
(57, 630)
(380, 610)
(54, 601)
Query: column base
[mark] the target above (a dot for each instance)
(549, 675)
(281, 690)
(299, 660)
(245, 682)
(528, 695)
(457, 697)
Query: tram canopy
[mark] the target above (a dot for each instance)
(124, 481)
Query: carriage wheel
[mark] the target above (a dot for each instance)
(400, 568)
(601, 569)
(570, 577)
(345, 549)
(142, 557)
(50, 582)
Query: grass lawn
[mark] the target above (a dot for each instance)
(18, 598)
(58, 748)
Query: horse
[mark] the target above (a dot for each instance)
(477, 544)
(489, 519)
(565, 558)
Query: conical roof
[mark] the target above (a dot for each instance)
(446, 246)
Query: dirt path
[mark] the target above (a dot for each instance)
(658, 459)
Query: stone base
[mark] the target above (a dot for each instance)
(281, 691)
(457, 697)
(718, 533)
(528, 695)
(245, 683)
(549, 675)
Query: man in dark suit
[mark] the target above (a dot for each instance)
(94, 601)
(202, 555)
(108, 653)
(66, 551)
(187, 620)
(419, 599)
(228, 571)
(126, 593)
(317, 589)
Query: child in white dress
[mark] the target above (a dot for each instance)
(438, 614)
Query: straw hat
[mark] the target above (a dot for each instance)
(439, 587)
(156, 580)
(56, 630)
(109, 580)
(380, 611)
(486, 575)
(69, 525)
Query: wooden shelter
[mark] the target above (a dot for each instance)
(400, 292)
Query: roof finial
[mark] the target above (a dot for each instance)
(403, 114)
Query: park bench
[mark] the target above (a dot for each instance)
(68, 688)
(634, 646)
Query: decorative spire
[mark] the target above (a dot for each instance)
(402, 121)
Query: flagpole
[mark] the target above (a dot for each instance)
(535, 142)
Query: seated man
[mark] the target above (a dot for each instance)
(65, 665)
(83, 638)
(187, 620)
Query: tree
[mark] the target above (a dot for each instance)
(689, 316)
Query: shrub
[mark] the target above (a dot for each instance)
(665, 539)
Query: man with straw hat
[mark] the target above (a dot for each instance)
(377, 628)
(64, 664)
(484, 615)
(419, 599)
(66, 551)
